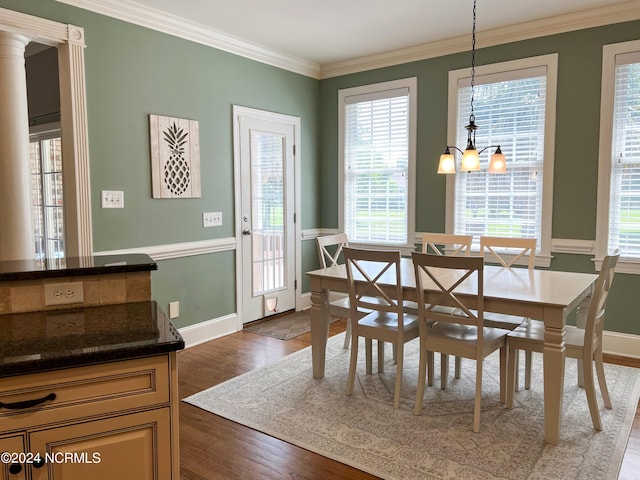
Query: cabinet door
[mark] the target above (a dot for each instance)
(12, 470)
(136, 446)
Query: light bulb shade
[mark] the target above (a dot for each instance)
(497, 164)
(447, 163)
(470, 160)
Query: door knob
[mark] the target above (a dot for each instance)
(246, 231)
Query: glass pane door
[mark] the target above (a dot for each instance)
(268, 205)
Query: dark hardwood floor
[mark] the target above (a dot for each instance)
(214, 448)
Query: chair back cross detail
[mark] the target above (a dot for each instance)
(460, 244)
(329, 256)
(519, 246)
(465, 267)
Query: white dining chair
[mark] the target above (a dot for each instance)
(375, 274)
(507, 251)
(330, 254)
(462, 334)
(582, 344)
(447, 244)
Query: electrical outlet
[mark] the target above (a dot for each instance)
(211, 219)
(63, 293)
(112, 199)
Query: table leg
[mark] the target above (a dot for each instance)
(319, 327)
(554, 355)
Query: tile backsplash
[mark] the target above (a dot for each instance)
(28, 295)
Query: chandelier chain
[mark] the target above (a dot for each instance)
(473, 60)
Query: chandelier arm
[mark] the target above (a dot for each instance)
(453, 146)
(488, 146)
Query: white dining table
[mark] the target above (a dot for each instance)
(545, 295)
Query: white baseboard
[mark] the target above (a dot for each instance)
(305, 301)
(209, 330)
(622, 344)
(614, 343)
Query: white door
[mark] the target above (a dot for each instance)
(265, 151)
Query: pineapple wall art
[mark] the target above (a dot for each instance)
(175, 157)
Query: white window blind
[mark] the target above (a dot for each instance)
(510, 112)
(624, 207)
(376, 167)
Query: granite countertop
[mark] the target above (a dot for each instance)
(74, 266)
(49, 340)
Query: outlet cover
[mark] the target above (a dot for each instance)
(63, 293)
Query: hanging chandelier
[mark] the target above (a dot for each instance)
(470, 161)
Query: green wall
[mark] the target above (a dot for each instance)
(576, 147)
(132, 72)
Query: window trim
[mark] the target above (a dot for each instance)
(607, 95)
(550, 62)
(407, 83)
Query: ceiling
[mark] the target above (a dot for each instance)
(328, 31)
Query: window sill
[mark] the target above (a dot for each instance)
(405, 250)
(625, 265)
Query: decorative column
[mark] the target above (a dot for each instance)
(17, 240)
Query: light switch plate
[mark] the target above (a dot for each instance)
(211, 219)
(174, 309)
(112, 199)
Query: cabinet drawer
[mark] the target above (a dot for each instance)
(87, 391)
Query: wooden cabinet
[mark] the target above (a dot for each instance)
(116, 420)
(10, 468)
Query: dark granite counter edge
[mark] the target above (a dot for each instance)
(85, 359)
(167, 340)
(75, 267)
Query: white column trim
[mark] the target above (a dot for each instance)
(69, 39)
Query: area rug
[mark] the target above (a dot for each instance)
(364, 431)
(284, 327)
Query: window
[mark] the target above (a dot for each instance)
(619, 163)
(377, 163)
(513, 105)
(47, 194)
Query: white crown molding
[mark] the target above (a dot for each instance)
(178, 250)
(173, 25)
(595, 17)
(158, 20)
